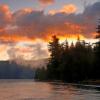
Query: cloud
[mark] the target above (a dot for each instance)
(68, 9)
(5, 15)
(46, 1)
(3, 53)
(27, 25)
(38, 25)
(29, 52)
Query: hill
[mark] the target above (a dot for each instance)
(11, 70)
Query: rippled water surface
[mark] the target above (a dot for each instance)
(30, 90)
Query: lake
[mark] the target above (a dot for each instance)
(30, 90)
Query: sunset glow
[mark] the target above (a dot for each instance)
(68, 9)
(27, 30)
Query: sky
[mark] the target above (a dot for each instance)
(26, 26)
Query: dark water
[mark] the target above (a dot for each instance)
(30, 90)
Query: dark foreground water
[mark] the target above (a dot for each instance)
(30, 90)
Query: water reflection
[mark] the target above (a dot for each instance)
(29, 90)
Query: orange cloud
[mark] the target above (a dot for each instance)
(2, 48)
(28, 25)
(5, 12)
(63, 31)
(46, 1)
(28, 10)
(14, 38)
(3, 53)
(68, 9)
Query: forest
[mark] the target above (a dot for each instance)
(72, 63)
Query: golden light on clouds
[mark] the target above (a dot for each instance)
(68, 9)
(4, 9)
(15, 38)
(27, 25)
(28, 10)
(46, 1)
(3, 53)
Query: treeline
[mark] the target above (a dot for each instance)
(11, 70)
(77, 62)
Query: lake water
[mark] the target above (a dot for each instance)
(30, 90)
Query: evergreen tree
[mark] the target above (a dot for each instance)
(54, 61)
(97, 55)
(64, 67)
(82, 60)
(69, 64)
(41, 74)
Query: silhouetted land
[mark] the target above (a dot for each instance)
(76, 63)
(11, 70)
